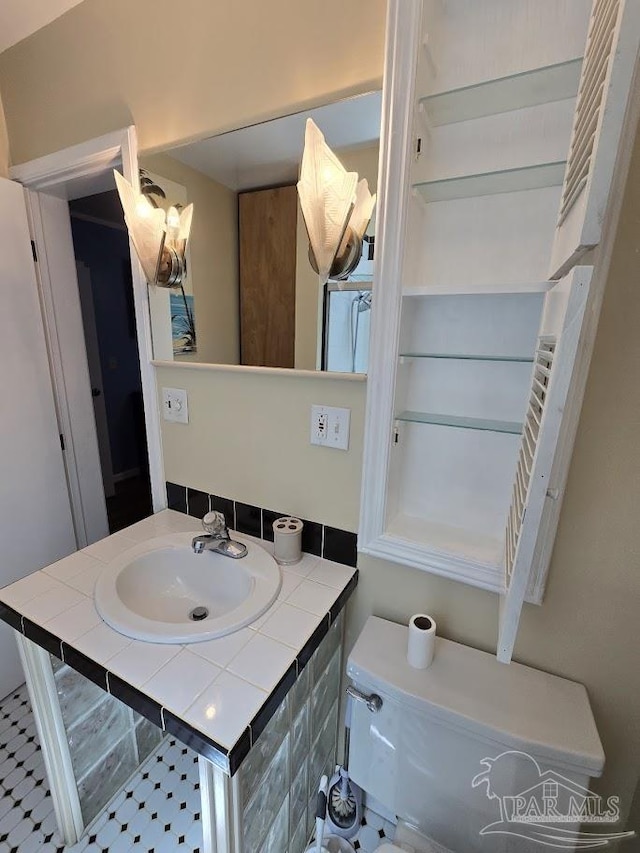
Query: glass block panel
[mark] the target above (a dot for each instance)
(93, 735)
(324, 695)
(298, 796)
(282, 772)
(107, 777)
(327, 649)
(265, 804)
(323, 752)
(300, 740)
(76, 694)
(278, 837)
(56, 663)
(298, 693)
(328, 770)
(299, 837)
(255, 764)
(148, 736)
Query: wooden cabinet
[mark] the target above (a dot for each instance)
(267, 242)
(501, 134)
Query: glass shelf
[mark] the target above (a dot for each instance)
(503, 94)
(492, 183)
(520, 359)
(483, 424)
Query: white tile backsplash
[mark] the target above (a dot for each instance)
(101, 643)
(224, 708)
(73, 623)
(224, 649)
(110, 548)
(140, 660)
(29, 587)
(290, 580)
(179, 682)
(70, 566)
(313, 597)
(51, 603)
(290, 626)
(85, 580)
(262, 662)
(331, 574)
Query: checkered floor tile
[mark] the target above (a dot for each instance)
(373, 832)
(159, 810)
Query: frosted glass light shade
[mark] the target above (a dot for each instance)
(160, 239)
(336, 207)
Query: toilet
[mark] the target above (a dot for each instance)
(460, 753)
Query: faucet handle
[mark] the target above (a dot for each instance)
(214, 523)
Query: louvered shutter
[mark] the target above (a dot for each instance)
(603, 97)
(558, 345)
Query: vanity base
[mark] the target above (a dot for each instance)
(267, 805)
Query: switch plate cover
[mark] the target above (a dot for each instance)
(175, 407)
(330, 427)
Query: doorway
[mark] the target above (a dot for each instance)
(113, 469)
(103, 264)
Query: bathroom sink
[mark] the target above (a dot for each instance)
(162, 592)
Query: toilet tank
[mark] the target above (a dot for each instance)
(460, 749)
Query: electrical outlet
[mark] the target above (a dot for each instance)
(330, 427)
(175, 407)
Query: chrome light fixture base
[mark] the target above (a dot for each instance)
(346, 260)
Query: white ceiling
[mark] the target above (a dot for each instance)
(269, 153)
(20, 18)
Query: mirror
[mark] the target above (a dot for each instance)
(250, 295)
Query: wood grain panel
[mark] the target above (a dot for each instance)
(267, 245)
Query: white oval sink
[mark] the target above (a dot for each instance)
(151, 590)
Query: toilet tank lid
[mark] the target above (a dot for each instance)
(511, 704)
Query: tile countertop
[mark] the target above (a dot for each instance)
(216, 696)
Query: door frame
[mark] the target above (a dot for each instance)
(82, 170)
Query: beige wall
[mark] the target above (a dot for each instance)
(248, 439)
(184, 71)
(97, 69)
(214, 259)
(4, 144)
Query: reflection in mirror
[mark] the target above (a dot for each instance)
(250, 294)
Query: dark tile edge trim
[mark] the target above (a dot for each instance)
(271, 705)
(235, 504)
(85, 666)
(11, 617)
(344, 596)
(197, 741)
(42, 637)
(136, 699)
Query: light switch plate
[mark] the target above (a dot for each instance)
(330, 427)
(175, 406)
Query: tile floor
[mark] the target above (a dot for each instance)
(159, 810)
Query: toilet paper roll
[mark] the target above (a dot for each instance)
(422, 641)
(287, 540)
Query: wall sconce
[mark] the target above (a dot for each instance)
(160, 238)
(336, 208)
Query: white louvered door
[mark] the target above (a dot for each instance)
(550, 398)
(603, 98)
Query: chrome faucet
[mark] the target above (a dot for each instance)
(217, 538)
